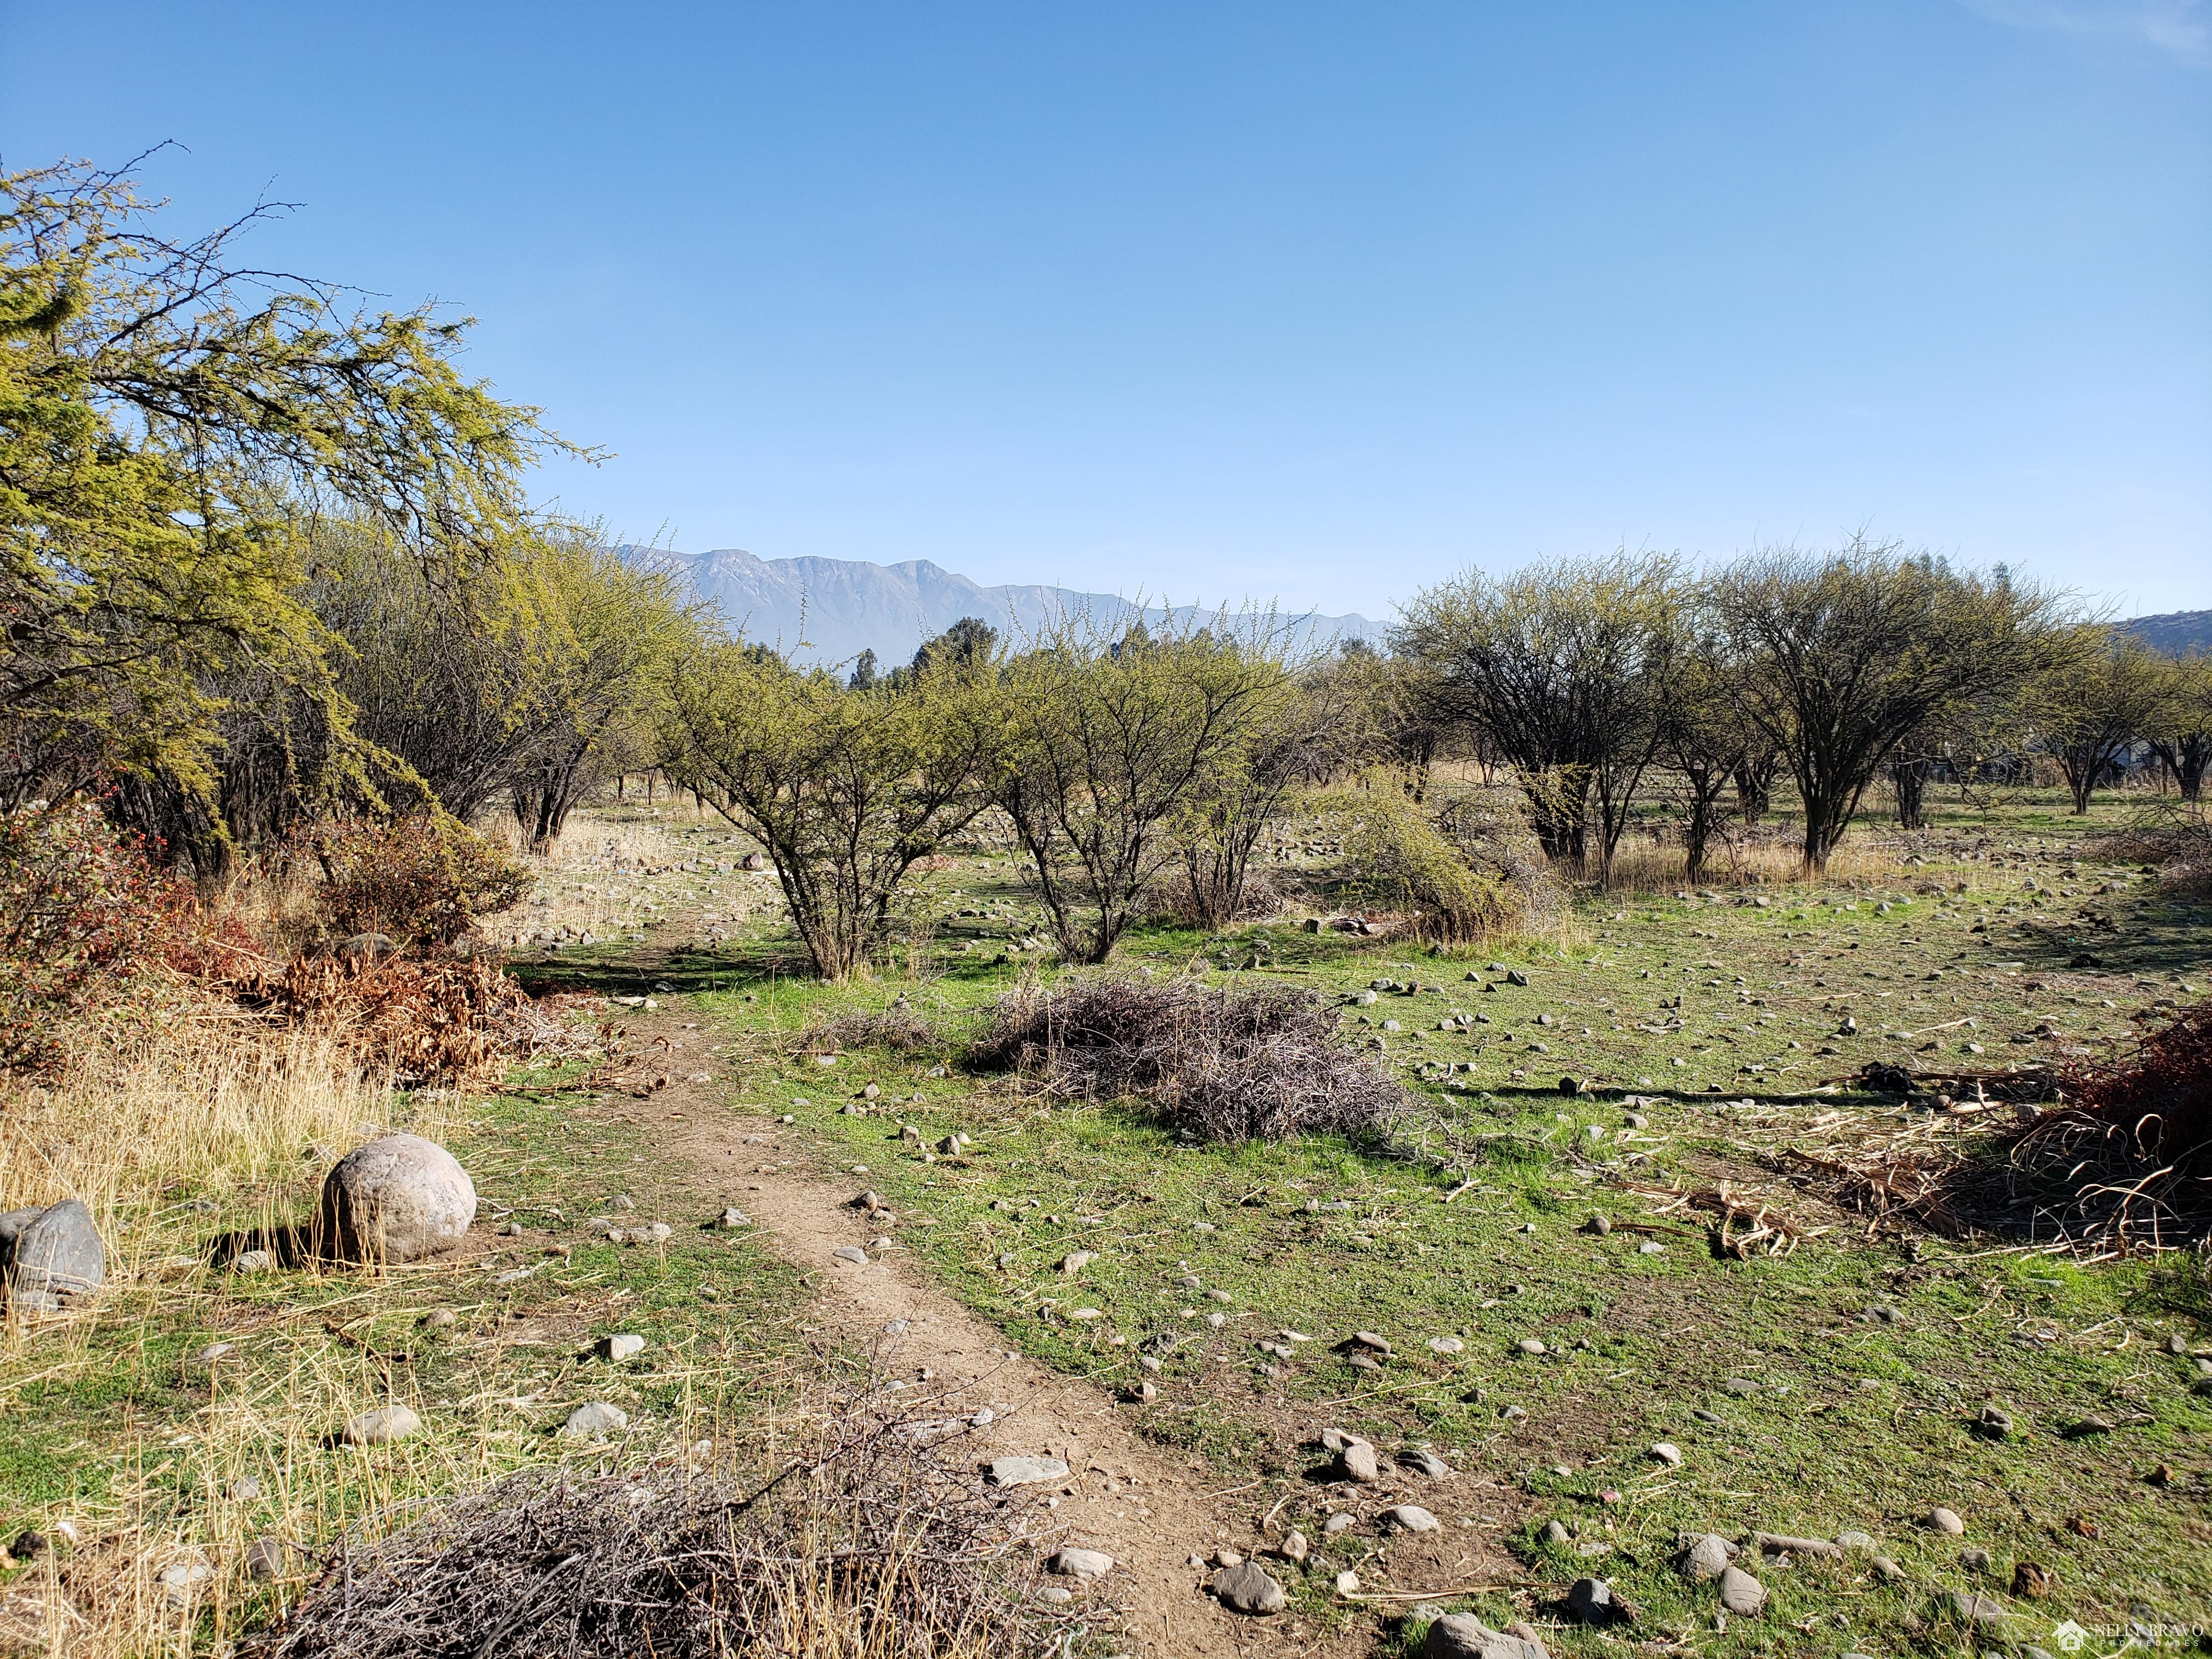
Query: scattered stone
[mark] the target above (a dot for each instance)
(852, 1252)
(1358, 1461)
(595, 1420)
(51, 1257)
(1024, 1471)
(1228, 1557)
(621, 1347)
(1373, 1343)
(1425, 1461)
(253, 1261)
(1294, 1546)
(1600, 1224)
(1076, 1261)
(180, 1581)
(1984, 1612)
(1555, 1533)
(1463, 1636)
(732, 1218)
(245, 1489)
(1410, 1517)
(1742, 1593)
(1708, 1558)
(1348, 1584)
(1087, 1564)
(1855, 1540)
(397, 1198)
(1529, 1345)
(264, 1560)
(1337, 1522)
(1249, 1590)
(1446, 1344)
(382, 1425)
(1887, 1570)
(1996, 1424)
(1144, 1393)
(1741, 1385)
(1943, 1520)
(1589, 1601)
(1668, 1453)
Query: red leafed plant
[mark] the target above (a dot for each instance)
(423, 879)
(83, 912)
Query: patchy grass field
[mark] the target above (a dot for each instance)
(1838, 1386)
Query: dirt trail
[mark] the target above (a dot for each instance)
(1122, 1494)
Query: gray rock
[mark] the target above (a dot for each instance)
(1741, 1385)
(51, 1257)
(1885, 1570)
(1555, 1533)
(1590, 1601)
(1076, 1261)
(1358, 1461)
(1411, 1518)
(1984, 1612)
(182, 1582)
(1855, 1540)
(265, 1560)
(397, 1198)
(1741, 1592)
(1337, 1522)
(595, 1420)
(1463, 1636)
(1668, 1453)
(382, 1425)
(1709, 1558)
(1026, 1471)
(621, 1346)
(1082, 1564)
(252, 1261)
(245, 1489)
(1425, 1461)
(852, 1252)
(1943, 1520)
(1531, 1345)
(1248, 1588)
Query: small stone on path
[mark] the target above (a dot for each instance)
(1246, 1589)
(1024, 1471)
(1082, 1564)
(852, 1252)
(1590, 1601)
(1411, 1518)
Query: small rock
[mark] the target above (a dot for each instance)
(621, 1347)
(1369, 1341)
(1076, 1261)
(1668, 1453)
(382, 1425)
(1741, 1385)
(1984, 1612)
(1996, 1424)
(1410, 1517)
(1358, 1461)
(397, 1198)
(265, 1560)
(51, 1257)
(1855, 1540)
(1463, 1636)
(253, 1261)
(1943, 1520)
(1974, 1560)
(1249, 1590)
(1026, 1471)
(732, 1218)
(595, 1420)
(437, 1319)
(1555, 1533)
(1590, 1601)
(1348, 1584)
(1144, 1393)
(1087, 1564)
(1601, 1224)
(1709, 1558)
(1228, 1557)
(1426, 1461)
(1529, 1345)
(1337, 1522)
(1446, 1344)
(245, 1489)
(1742, 1593)
(1885, 1570)
(180, 1581)
(1294, 1546)
(852, 1252)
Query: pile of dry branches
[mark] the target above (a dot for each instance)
(437, 1020)
(865, 1547)
(2177, 840)
(897, 1027)
(1261, 1062)
(2129, 1152)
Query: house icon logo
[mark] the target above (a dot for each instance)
(2070, 1637)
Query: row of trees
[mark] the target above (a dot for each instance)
(1834, 668)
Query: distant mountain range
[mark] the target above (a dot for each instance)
(830, 610)
(2176, 633)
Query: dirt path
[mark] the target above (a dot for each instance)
(1122, 1494)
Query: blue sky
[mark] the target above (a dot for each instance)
(1320, 303)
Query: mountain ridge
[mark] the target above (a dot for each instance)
(829, 610)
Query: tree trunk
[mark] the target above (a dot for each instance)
(1911, 777)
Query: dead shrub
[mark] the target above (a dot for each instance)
(1259, 1061)
(866, 1547)
(2177, 840)
(898, 1028)
(444, 1020)
(423, 879)
(2126, 1161)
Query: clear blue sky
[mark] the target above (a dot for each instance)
(1320, 303)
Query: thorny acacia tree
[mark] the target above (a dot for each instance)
(1847, 654)
(1558, 664)
(172, 424)
(2181, 735)
(847, 788)
(1108, 742)
(2105, 693)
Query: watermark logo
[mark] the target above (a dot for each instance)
(2070, 1637)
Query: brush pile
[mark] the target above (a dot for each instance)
(437, 1020)
(897, 1028)
(2125, 1163)
(1248, 1062)
(866, 1547)
(2176, 840)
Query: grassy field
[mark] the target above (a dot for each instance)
(1838, 1387)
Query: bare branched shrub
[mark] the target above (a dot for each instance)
(899, 1028)
(866, 1546)
(2177, 840)
(1231, 1063)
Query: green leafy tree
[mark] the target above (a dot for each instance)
(2106, 693)
(847, 789)
(2181, 735)
(173, 424)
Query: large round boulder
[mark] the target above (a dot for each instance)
(397, 1197)
(50, 1257)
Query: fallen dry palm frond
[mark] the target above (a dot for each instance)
(441, 1020)
(866, 1546)
(1258, 1061)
